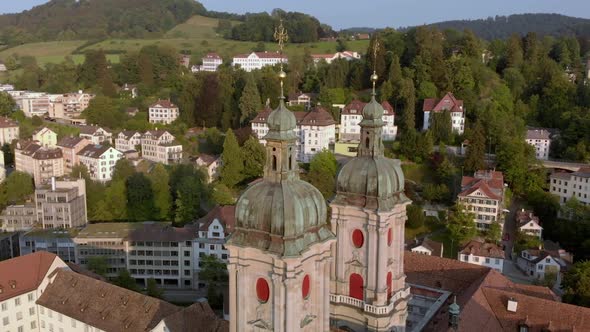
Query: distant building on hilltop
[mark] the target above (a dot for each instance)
(329, 58)
(257, 60)
(210, 63)
(163, 111)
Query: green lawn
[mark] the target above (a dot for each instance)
(419, 173)
(430, 225)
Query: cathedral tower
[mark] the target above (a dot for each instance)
(279, 252)
(368, 290)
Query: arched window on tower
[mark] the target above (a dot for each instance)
(356, 289)
(274, 163)
(367, 142)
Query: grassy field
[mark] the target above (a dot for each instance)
(197, 35)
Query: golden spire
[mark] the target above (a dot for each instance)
(281, 37)
(374, 77)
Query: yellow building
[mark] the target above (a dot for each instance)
(348, 149)
(46, 137)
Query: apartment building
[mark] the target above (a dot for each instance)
(316, 131)
(568, 185)
(69, 105)
(70, 147)
(483, 195)
(210, 63)
(163, 111)
(9, 130)
(213, 230)
(483, 254)
(32, 103)
(96, 135)
(300, 98)
(45, 137)
(161, 147)
(351, 116)
(62, 204)
(541, 140)
(528, 223)
(446, 103)
(128, 140)
(17, 218)
(257, 60)
(41, 163)
(100, 161)
(56, 241)
(211, 164)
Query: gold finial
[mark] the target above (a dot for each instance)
(374, 77)
(281, 37)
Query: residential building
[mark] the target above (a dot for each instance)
(528, 223)
(351, 116)
(212, 165)
(548, 258)
(147, 250)
(213, 230)
(32, 103)
(96, 135)
(62, 204)
(41, 163)
(163, 111)
(128, 140)
(70, 147)
(300, 98)
(541, 140)
(184, 60)
(483, 195)
(16, 218)
(9, 130)
(45, 137)
(568, 185)
(315, 130)
(257, 60)
(22, 281)
(427, 247)
(132, 111)
(100, 161)
(484, 254)
(129, 90)
(210, 62)
(329, 58)
(161, 147)
(69, 105)
(446, 103)
(56, 241)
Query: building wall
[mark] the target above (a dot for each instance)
(253, 62)
(541, 147)
(102, 169)
(8, 134)
(163, 115)
(314, 139)
(457, 121)
(61, 245)
(494, 263)
(485, 210)
(350, 130)
(18, 218)
(46, 138)
(70, 155)
(123, 144)
(50, 320)
(567, 186)
(159, 149)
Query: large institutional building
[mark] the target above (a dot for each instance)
(257, 60)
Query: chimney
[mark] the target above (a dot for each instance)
(512, 305)
(53, 183)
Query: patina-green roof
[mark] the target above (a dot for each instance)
(373, 114)
(281, 124)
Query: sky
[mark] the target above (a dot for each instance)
(380, 13)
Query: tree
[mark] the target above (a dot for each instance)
(322, 172)
(98, 265)
(494, 233)
(161, 188)
(7, 104)
(17, 187)
(123, 170)
(254, 158)
(233, 165)
(222, 195)
(408, 96)
(140, 198)
(415, 216)
(153, 289)
(575, 210)
(576, 283)
(113, 205)
(249, 101)
(214, 273)
(460, 224)
(474, 158)
(8, 155)
(125, 280)
(442, 126)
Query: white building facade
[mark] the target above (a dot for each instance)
(541, 140)
(160, 146)
(128, 140)
(448, 103)
(9, 130)
(163, 111)
(351, 116)
(100, 161)
(483, 196)
(257, 60)
(568, 185)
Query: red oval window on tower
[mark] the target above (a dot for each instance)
(262, 290)
(358, 238)
(305, 287)
(389, 280)
(389, 237)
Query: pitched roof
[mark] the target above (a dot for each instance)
(435, 247)
(24, 273)
(207, 158)
(482, 249)
(523, 217)
(71, 142)
(262, 55)
(538, 134)
(93, 151)
(156, 133)
(129, 133)
(318, 116)
(48, 153)
(355, 107)
(7, 122)
(163, 104)
(103, 305)
(225, 214)
(583, 172)
(198, 314)
(212, 55)
(91, 130)
(448, 102)
(262, 116)
(491, 183)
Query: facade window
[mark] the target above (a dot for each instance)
(33, 325)
(17, 301)
(475, 259)
(19, 315)
(31, 297)
(4, 306)
(5, 321)
(31, 311)
(487, 260)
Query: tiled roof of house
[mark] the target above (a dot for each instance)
(27, 147)
(225, 214)
(207, 158)
(129, 133)
(91, 130)
(163, 104)
(538, 134)
(561, 175)
(7, 122)
(523, 217)
(23, 274)
(199, 316)
(262, 55)
(262, 116)
(212, 56)
(318, 116)
(448, 102)
(435, 247)
(482, 249)
(583, 172)
(70, 142)
(48, 153)
(491, 183)
(355, 107)
(103, 305)
(156, 133)
(93, 151)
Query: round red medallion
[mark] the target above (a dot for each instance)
(262, 290)
(389, 237)
(305, 287)
(358, 238)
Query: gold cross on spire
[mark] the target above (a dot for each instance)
(374, 77)
(281, 37)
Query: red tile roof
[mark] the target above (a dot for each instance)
(318, 116)
(491, 183)
(212, 56)
(226, 216)
(23, 274)
(356, 107)
(448, 102)
(7, 123)
(481, 249)
(163, 104)
(262, 116)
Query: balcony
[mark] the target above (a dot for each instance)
(369, 308)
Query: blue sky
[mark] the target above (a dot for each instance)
(380, 13)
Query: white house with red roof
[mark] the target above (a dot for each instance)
(212, 232)
(161, 147)
(528, 223)
(210, 63)
(483, 254)
(257, 60)
(483, 195)
(447, 103)
(540, 138)
(351, 116)
(329, 58)
(163, 111)
(316, 131)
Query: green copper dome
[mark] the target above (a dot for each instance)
(281, 124)
(373, 113)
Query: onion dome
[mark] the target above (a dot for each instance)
(281, 124)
